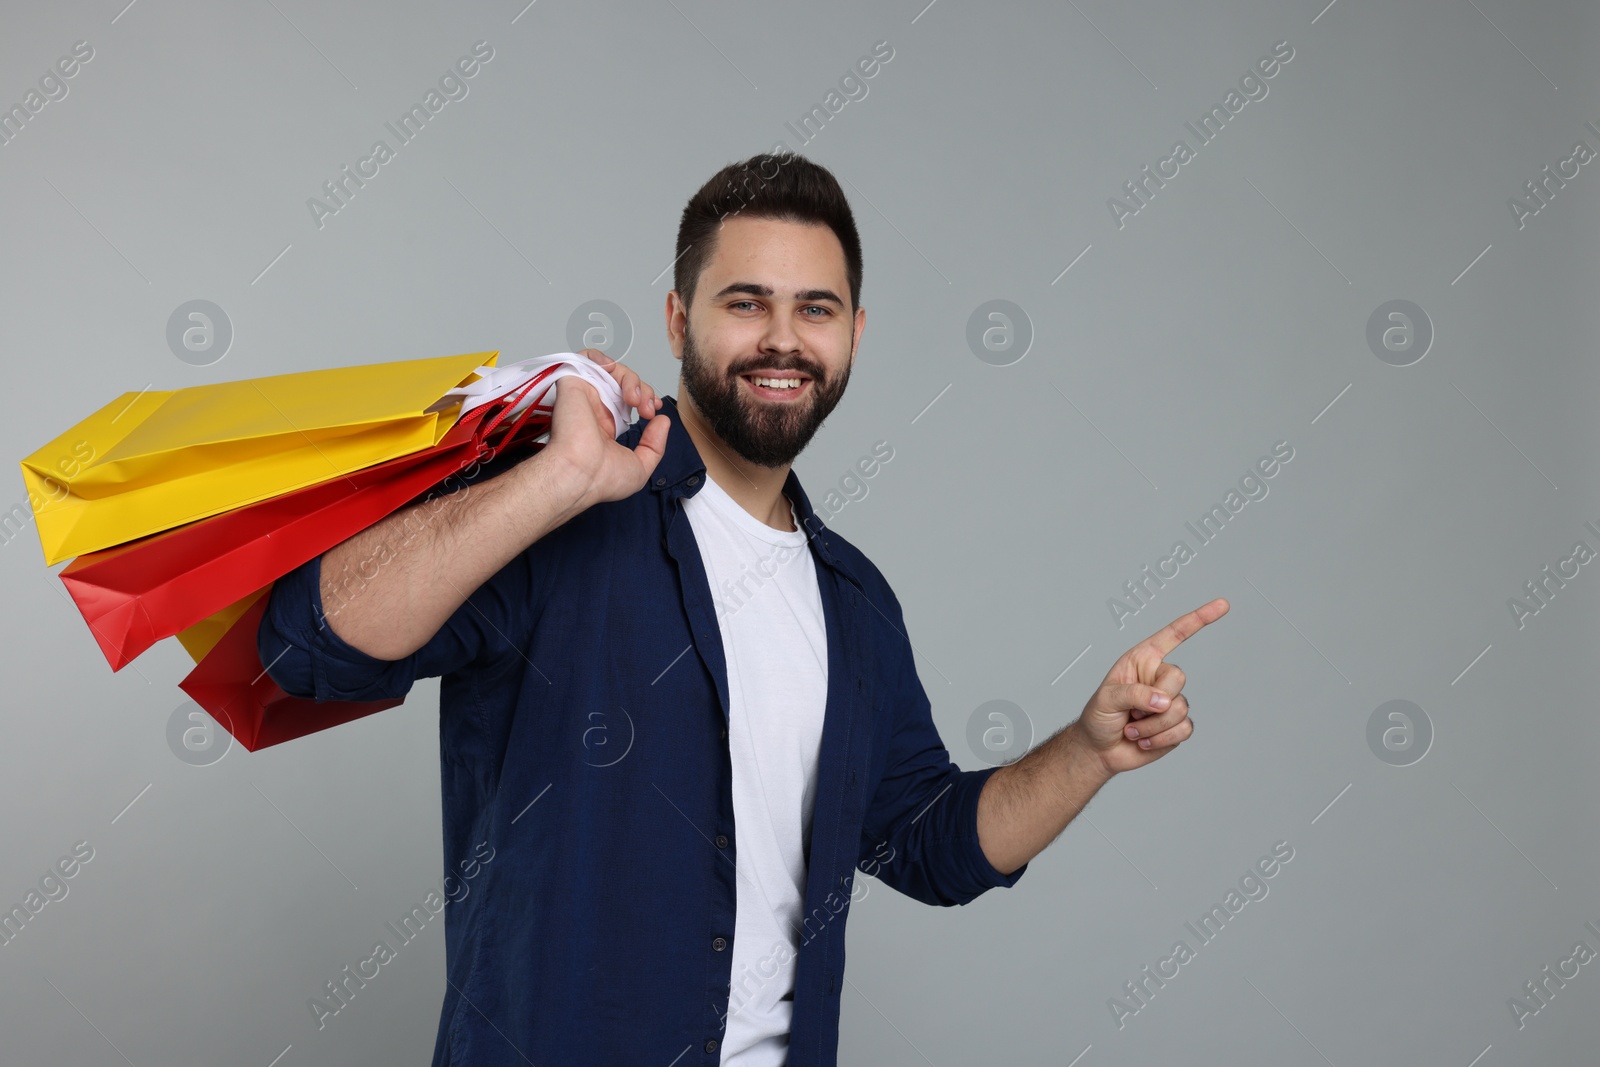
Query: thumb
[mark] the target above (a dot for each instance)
(652, 444)
(1117, 700)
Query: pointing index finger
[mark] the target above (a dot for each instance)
(1170, 636)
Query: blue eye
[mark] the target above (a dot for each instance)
(809, 307)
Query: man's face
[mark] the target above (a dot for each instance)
(775, 299)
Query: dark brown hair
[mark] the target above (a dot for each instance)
(783, 186)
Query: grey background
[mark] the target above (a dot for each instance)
(1229, 314)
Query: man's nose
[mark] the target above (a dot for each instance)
(781, 335)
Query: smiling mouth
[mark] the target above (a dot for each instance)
(779, 393)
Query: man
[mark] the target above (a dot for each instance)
(679, 711)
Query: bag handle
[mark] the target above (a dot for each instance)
(504, 405)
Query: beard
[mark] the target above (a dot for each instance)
(766, 433)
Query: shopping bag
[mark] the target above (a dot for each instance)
(136, 594)
(150, 461)
(201, 637)
(229, 681)
(234, 689)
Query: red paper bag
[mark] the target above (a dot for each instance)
(135, 594)
(230, 684)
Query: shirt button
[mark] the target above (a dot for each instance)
(694, 479)
(722, 840)
(661, 481)
(719, 943)
(711, 1046)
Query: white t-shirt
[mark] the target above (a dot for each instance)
(769, 611)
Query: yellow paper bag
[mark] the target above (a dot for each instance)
(203, 636)
(149, 461)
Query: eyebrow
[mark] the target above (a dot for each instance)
(766, 290)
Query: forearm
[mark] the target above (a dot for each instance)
(388, 589)
(1025, 805)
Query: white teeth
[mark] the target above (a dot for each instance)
(778, 383)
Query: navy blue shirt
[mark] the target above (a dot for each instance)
(583, 736)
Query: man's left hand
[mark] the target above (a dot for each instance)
(1143, 694)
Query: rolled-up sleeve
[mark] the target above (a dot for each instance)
(920, 833)
(306, 658)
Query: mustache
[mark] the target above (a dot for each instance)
(815, 373)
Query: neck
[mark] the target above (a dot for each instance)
(757, 489)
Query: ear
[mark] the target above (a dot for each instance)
(855, 339)
(676, 320)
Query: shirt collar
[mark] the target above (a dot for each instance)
(681, 472)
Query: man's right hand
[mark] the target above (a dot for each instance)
(582, 434)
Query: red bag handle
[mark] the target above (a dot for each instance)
(505, 404)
